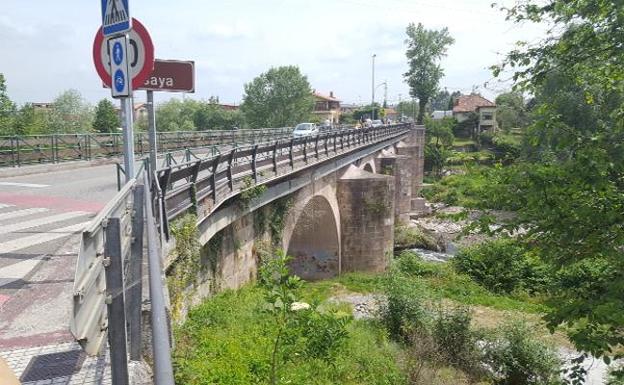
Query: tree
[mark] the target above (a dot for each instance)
(176, 115)
(407, 109)
(29, 121)
(569, 192)
(212, 116)
(106, 118)
(70, 114)
(277, 98)
(510, 110)
(439, 142)
(424, 51)
(441, 101)
(7, 109)
(366, 112)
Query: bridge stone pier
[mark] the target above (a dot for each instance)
(332, 214)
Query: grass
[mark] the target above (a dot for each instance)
(227, 340)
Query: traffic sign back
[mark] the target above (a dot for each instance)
(115, 17)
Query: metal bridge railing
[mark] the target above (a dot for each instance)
(17, 151)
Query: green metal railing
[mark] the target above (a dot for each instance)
(17, 151)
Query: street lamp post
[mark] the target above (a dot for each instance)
(373, 89)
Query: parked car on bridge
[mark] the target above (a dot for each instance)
(305, 129)
(377, 123)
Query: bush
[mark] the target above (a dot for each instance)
(411, 264)
(407, 237)
(404, 312)
(503, 266)
(455, 340)
(516, 357)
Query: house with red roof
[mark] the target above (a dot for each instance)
(466, 105)
(326, 107)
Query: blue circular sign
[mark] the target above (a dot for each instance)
(117, 53)
(120, 81)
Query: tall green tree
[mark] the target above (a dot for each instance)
(7, 109)
(277, 98)
(569, 193)
(106, 118)
(425, 49)
(70, 113)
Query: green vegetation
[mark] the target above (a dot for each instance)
(410, 237)
(280, 97)
(106, 118)
(186, 263)
(191, 115)
(425, 49)
(256, 336)
(503, 266)
(283, 330)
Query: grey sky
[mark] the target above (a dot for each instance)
(46, 45)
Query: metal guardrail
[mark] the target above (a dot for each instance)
(17, 151)
(107, 293)
(215, 179)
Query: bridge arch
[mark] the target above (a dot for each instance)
(369, 166)
(312, 237)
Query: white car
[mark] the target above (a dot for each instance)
(305, 129)
(376, 123)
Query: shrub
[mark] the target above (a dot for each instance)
(410, 237)
(516, 357)
(404, 311)
(411, 264)
(455, 340)
(503, 266)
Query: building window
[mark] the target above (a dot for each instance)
(487, 116)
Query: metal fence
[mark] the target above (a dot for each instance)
(17, 151)
(215, 179)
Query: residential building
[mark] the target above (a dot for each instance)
(391, 113)
(140, 111)
(326, 107)
(465, 105)
(42, 106)
(439, 115)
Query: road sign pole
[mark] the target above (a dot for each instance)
(153, 143)
(128, 136)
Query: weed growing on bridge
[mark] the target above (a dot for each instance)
(183, 271)
(249, 192)
(277, 218)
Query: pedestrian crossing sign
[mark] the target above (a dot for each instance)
(115, 17)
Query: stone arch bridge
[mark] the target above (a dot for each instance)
(330, 201)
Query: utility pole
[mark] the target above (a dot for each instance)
(373, 89)
(385, 93)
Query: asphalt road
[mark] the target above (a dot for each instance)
(41, 216)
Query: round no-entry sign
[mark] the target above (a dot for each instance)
(140, 55)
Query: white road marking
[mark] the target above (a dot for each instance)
(17, 271)
(40, 221)
(21, 213)
(5, 205)
(32, 240)
(24, 184)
